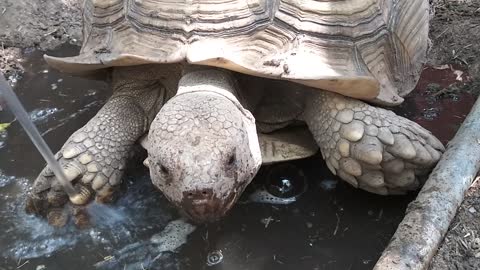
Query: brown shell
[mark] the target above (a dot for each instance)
(367, 49)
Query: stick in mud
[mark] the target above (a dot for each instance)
(428, 217)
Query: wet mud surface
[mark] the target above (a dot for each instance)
(331, 226)
(44, 24)
(434, 105)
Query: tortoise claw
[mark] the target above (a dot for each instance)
(36, 204)
(83, 196)
(57, 217)
(81, 219)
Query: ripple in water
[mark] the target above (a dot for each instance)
(118, 230)
(41, 115)
(5, 180)
(152, 253)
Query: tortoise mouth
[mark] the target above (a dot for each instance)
(206, 210)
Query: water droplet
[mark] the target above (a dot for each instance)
(214, 257)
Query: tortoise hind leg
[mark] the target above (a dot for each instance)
(95, 156)
(371, 148)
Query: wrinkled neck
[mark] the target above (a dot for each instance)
(208, 80)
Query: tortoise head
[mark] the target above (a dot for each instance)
(203, 151)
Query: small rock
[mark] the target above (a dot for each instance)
(472, 210)
(475, 244)
(42, 26)
(41, 267)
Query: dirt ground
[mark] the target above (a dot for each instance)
(461, 248)
(42, 24)
(455, 36)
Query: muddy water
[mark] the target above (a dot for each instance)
(436, 105)
(331, 226)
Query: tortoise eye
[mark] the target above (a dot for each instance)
(231, 160)
(163, 169)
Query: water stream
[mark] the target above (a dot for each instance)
(8, 97)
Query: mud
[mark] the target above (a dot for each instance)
(40, 24)
(461, 248)
(433, 102)
(455, 32)
(44, 24)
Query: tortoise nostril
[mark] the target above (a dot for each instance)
(198, 195)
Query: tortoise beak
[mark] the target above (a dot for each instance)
(202, 206)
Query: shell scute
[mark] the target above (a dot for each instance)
(366, 49)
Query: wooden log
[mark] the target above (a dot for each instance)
(427, 218)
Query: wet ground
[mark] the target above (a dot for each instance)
(331, 226)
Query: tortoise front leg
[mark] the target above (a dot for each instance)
(95, 155)
(371, 148)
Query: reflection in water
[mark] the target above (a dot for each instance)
(41, 115)
(284, 184)
(152, 252)
(328, 184)
(64, 120)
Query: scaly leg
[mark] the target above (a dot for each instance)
(371, 148)
(96, 154)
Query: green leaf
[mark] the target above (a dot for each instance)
(4, 126)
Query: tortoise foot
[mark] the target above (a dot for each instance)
(93, 159)
(371, 148)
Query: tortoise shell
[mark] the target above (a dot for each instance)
(366, 49)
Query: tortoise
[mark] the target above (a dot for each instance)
(215, 88)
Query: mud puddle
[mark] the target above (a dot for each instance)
(437, 103)
(331, 226)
